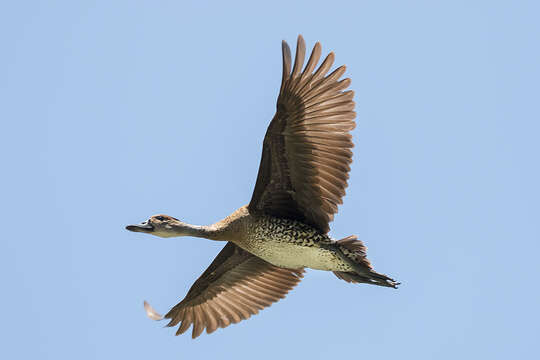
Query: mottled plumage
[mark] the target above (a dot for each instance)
(301, 181)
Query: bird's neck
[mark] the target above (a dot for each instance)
(228, 229)
(211, 232)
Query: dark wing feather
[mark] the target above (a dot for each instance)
(307, 147)
(235, 286)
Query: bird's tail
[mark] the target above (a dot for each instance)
(353, 251)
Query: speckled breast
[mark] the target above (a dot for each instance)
(291, 244)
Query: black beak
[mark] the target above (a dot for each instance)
(144, 227)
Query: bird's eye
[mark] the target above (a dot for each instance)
(160, 218)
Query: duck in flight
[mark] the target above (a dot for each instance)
(284, 229)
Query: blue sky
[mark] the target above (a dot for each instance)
(114, 111)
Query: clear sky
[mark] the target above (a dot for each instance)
(112, 111)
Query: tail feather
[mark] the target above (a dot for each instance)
(354, 252)
(353, 244)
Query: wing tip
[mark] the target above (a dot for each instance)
(151, 312)
(285, 48)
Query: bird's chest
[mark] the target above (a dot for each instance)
(288, 244)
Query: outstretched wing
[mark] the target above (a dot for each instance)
(307, 147)
(235, 286)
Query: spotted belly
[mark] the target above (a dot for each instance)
(291, 244)
(296, 256)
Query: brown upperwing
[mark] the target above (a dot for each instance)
(307, 147)
(235, 286)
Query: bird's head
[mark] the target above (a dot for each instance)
(159, 225)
